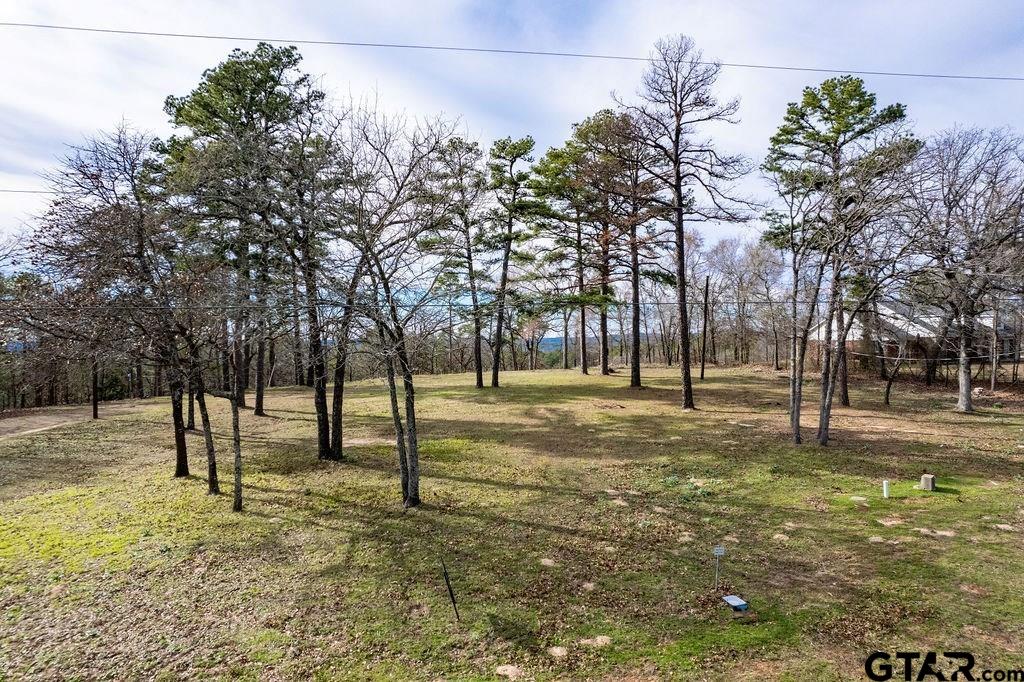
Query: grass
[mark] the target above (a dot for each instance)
(108, 566)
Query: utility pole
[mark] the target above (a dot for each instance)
(704, 333)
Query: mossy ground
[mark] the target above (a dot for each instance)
(110, 567)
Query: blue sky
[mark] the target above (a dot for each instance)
(56, 88)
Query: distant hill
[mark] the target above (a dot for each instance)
(553, 343)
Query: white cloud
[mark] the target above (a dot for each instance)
(59, 87)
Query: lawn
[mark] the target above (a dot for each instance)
(576, 518)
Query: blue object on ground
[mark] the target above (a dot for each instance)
(735, 602)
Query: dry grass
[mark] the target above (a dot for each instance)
(109, 567)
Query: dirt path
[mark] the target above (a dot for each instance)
(24, 422)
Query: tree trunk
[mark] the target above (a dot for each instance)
(411, 436)
(995, 346)
(236, 443)
(341, 363)
(213, 484)
(890, 381)
(605, 273)
(396, 417)
(318, 364)
(684, 320)
(261, 351)
(827, 361)
(95, 393)
(500, 322)
(565, 339)
(271, 362)
(190, 424)
(140, 390)
(634, 336)
(478, 353)
(704, 327)
(246, 359)
(603, 327)
(796, 369)
(239, 363)
(964, 403)
(297, 360)
(177, 417)
(225, 360)
(512, 348)
(844, 385)
(580, 287)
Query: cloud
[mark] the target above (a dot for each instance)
(60, 87)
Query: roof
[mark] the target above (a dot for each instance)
(899, 320)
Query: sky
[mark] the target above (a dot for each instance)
(57, 88)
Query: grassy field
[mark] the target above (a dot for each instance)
(576, 517)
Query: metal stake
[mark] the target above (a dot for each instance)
(451, 593)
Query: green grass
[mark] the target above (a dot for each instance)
(121, 569)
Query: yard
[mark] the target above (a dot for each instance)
(576, 518)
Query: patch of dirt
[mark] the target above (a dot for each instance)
(976, 590)
(370, 440)
(511, 672)
(598, 642)
(936, 533)
(35, 420)
(878, 540)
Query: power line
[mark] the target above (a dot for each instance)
(326, 302)
(26, 191)
(493, 50)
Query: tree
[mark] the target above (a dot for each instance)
(105, 240)
(464, 179)
(396, 198)
(250, 126)
(848, 156)
(766, 269)
(565, 199)
(796, 230)
(969, 198)
(613, 167)
(515, 205)
(677, 101)
(234, 119)
(315, 178)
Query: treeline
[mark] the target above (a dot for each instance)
(279, 237)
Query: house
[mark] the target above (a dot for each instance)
(922, 331)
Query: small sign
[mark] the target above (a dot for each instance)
(718, 552)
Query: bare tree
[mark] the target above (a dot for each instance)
(106, 237)
(396, 200)
(970, 198)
